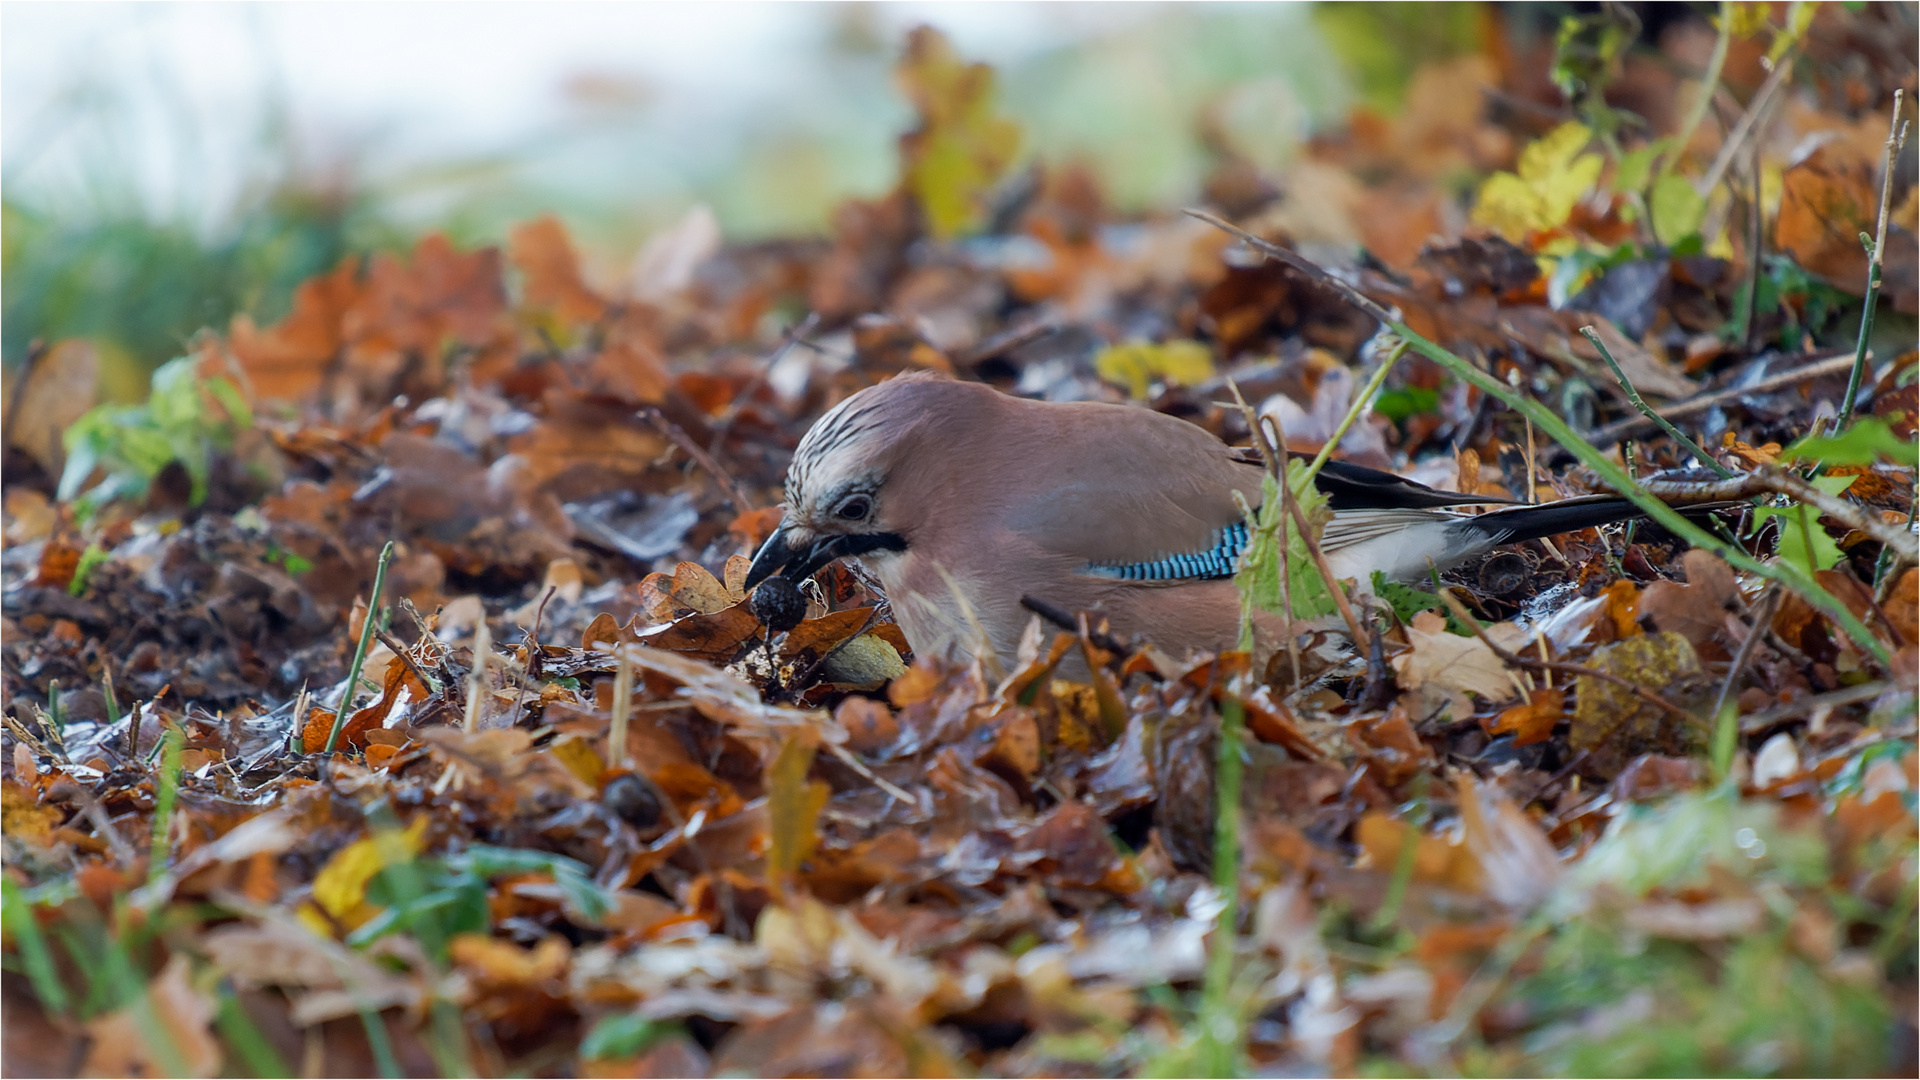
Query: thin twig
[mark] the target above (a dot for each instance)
(1646, 410)
(1749, 119)
(1515, 660)
(1762, 618)
(1354, 409)
(102, 824)
(1850, 695)
(1708, 85)
(1896, 138)
(1005, 342)
(1773, 480)
(698, 453)
(622, 711)
(477, 675)
(1272, 456)
(1814, 369)
(405, 656)
(1756, 223)
(791, 336)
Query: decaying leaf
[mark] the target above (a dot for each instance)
(1611, 721)
(793, 804)
(1443, 668)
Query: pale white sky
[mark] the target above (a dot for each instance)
(577, 104)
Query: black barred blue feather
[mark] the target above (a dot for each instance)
(1218, 561)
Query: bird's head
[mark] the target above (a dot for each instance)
(839, 503)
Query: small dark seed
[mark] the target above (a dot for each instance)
(633, 800)
(777, 603)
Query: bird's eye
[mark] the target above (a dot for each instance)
(855, 509)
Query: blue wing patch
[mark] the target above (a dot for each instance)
(1218, 561)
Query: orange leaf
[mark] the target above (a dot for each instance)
(1533, 720)
(1824, 207)
(690, 589)
(1623, 603)
(545, 256)
(287, 361)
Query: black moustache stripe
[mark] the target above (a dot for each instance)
(859, 544)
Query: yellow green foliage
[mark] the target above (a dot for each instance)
(1137, 365)
(1260, 577)
(1552, 176)
(962, 146)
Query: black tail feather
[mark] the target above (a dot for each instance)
(1517, 523)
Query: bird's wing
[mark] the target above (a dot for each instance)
(1115, 486)
(1354, 527)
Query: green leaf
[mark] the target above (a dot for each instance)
(1553, 175)
(1259, 575)
(1867, 441)
(1676, 208)
(622, 1035)
(1408, 601)
(1803, 542)
(186, 419)
(1397, 405)
(1636, 166)
(90, 558)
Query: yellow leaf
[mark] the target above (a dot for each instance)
(1553, 175)
(340, 888)
(793, 804)
(1137, 365)
(962, 147)
(579, 757)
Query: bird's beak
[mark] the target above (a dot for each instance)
(780, 555)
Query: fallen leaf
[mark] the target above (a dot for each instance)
(1533, 721)
(340, 888)
(1615, 724)
(1825, 204)
(59, 387)
(544, 255)
(793, 805)
(176, 1042)
(1443, 667)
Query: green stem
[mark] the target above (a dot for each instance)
(167, 787)
(35, 957)
(1615, 477)
(1707, 86)
(360, 653)
(1353, 412)
(1896, 137)
(1646, 410)
(1226, 869)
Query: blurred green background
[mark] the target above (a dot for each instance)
(168, 165)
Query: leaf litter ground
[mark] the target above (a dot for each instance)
(588, 814)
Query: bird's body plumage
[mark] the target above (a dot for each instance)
(961, 500)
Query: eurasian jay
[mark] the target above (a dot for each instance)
(961, 500)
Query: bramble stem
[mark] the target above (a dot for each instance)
(1646, 410)
(1896, 138)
